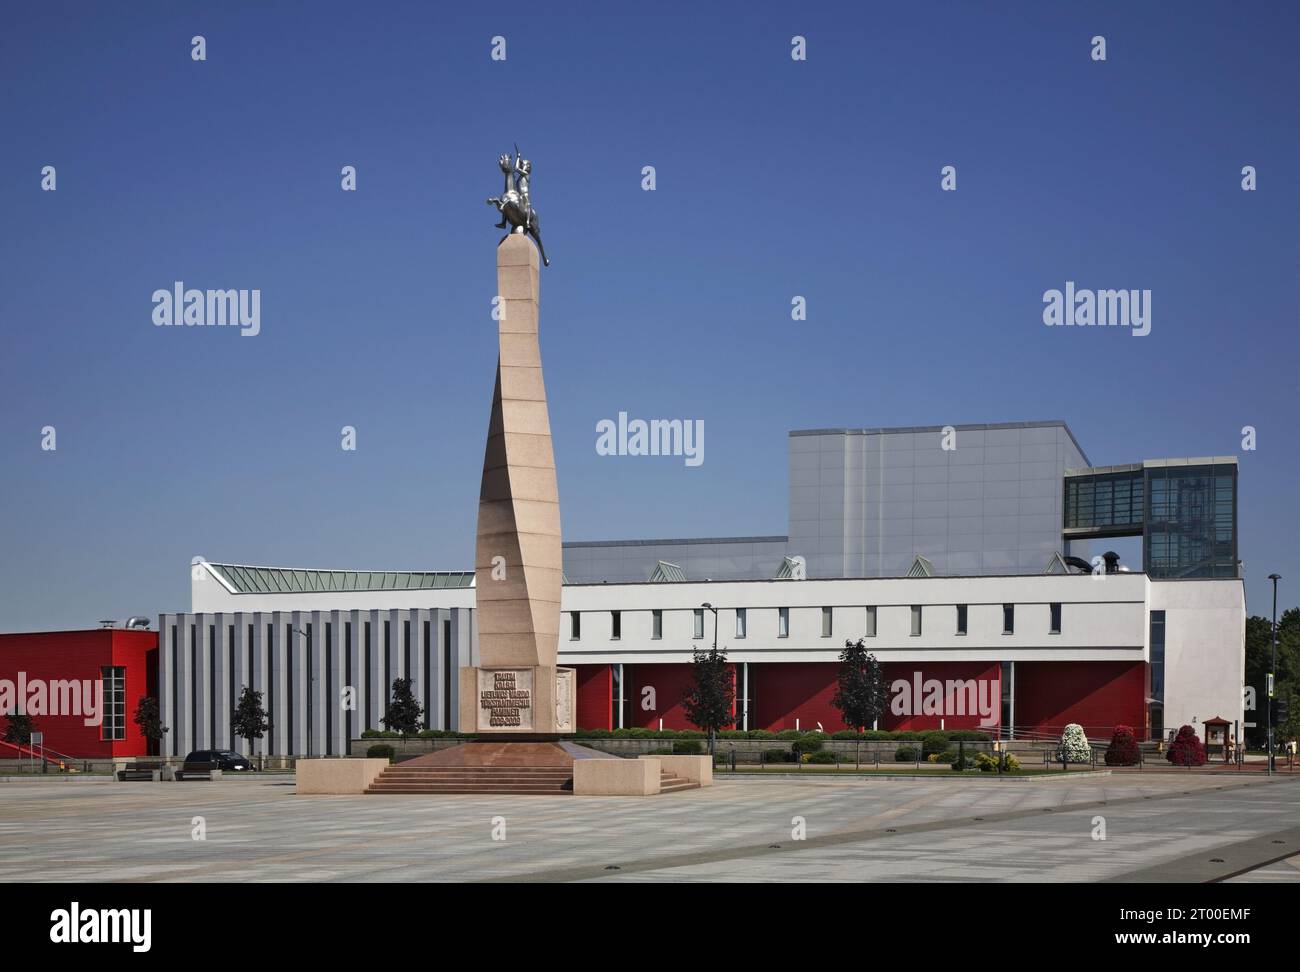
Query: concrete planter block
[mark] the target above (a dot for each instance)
(337, 776)
(616, 777)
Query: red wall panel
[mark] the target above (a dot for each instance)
(1097, 695)
(670, 684)
(78, 656)
(595, 696)
(783, 692)
(959, 707)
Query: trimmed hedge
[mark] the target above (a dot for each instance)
(381, 751)
(936, 740)
(809, 742)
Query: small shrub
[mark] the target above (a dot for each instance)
(1074, 745)
(822, 756)
(761, 734)
(660, 752)
(809, 742)
(934, 742)
(732, 734)
(778, 755)
(961, 761)
(594, 733)
(904, 754)
(1123, 748)
(1186, 749)
(687, 747)
(381, 751)
(790, 734)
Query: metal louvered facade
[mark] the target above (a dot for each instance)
(325, 676)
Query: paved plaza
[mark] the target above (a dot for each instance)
(1157, 828)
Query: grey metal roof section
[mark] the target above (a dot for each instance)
(787, 570)
(1046, 423)
(651, 543)
(1056, 565)
(921, 567)
(665, 572)
(1153, 464)
(287, 580)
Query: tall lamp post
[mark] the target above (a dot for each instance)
(311, 678)
(1272, 677)
(709, 607)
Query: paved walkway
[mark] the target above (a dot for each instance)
(1157, 827)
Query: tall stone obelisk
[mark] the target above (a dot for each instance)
(517, 687)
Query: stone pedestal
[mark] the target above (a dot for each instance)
(518, 689)
(529, 701)
(518, 560)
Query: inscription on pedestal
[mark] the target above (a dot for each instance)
(505, 698)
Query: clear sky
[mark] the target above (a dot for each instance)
(775, 178)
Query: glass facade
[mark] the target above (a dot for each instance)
(1191, 521)
(1185, 513)
(1106, 504)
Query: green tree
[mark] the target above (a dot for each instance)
(860, 695)
(18, 728)
(404, 710)
(148, 716)
(249, 721)
(710, 702)
(1259, 646)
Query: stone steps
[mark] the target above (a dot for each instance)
(497, 780)
(668, 783)
(474, 779)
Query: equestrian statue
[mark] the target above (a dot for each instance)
(514, 204)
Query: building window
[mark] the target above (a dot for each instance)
(826, 622)
(916, 620)
(1008, 700)
(575, 625)
(871, 621)
(741, 619)
(656, 624)
(615, 625)
(1056, 618)
(1008, 618)
(113, 726)
(699, 624)
(1156, 705)
(961, 619)
(783, 622)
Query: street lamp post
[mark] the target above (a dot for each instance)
(1272, 679)
(710, 607)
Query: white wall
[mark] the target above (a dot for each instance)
(1102, 618)
(1205, 659)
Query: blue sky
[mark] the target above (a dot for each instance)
(775, 179)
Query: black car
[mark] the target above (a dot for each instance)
(222, 759)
